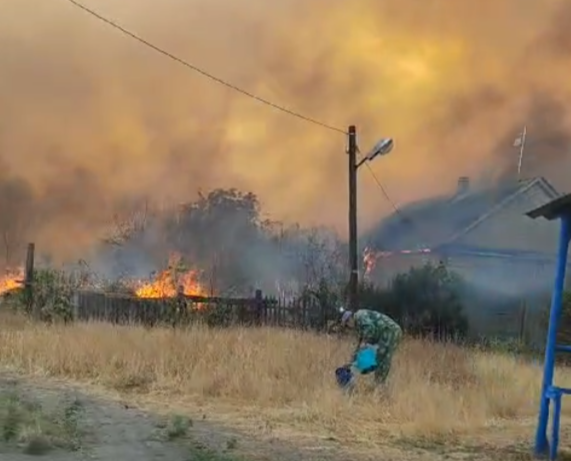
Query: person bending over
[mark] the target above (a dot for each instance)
(378, 330)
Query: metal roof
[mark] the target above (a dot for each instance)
(439, 220)
(553, 209)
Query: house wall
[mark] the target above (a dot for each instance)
(524, 284)
(510, 229)
(387, 268)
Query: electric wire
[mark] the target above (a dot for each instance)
(231, 86)
(204, 72)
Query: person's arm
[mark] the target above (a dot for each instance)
(359, 345)
(366, 333)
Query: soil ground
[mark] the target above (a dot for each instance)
(67, 423)
(64, 423)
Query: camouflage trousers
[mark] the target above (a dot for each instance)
(386, 349)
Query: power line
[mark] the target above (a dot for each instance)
(405, 219)
(203, 72)
(380, 184)
(228, 85)
(383, 189)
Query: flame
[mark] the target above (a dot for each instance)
(168, 282)
(12, 280)
(369, 261)
(371, 257)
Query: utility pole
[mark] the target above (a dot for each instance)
(521, 140)
(353, 262)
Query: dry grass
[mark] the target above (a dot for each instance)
(283, 378)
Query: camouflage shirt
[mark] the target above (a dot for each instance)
(374, 327)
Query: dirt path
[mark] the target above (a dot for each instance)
(66, 425)
(63, 423)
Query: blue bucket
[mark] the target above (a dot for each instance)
(344, 376)
(366, 359)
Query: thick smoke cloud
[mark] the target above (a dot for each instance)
(92, 123)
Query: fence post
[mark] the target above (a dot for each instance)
(29, 279)
(523, 322)
(258, 306)
(179, 307)
(75, 306)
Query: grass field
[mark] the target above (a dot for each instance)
(282, 380)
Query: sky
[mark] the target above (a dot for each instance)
(93, 123)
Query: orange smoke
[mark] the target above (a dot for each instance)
(168, 282)
(86, 109)
(12, 280)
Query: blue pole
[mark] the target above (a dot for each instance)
(541, 444)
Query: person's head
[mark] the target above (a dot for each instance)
(347, 319)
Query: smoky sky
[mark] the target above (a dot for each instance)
(93, 123)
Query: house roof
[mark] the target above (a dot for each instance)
(553, 209)
(442, 220)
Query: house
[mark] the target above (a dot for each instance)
(482, 234)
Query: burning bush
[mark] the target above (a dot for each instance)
(175, 279)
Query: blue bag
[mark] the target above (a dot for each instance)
(366, 360)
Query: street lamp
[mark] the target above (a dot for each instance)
(381, 148)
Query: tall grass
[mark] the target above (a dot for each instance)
(282, 377)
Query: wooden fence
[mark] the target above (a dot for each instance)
(521, 322)
(259, 310)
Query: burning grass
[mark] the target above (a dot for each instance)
(283, 379)
(13, 279)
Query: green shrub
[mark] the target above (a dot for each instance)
(51, 296)
(425, 301)
(324, 301)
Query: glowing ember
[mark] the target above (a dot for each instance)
(166, 282)
(11, 280)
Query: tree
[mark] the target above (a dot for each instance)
(220, 231)
(223, 235)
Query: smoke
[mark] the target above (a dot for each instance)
(93, 123)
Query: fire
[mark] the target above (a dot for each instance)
(369, 261)
(167, 283)
(371, 257)
(12, 280)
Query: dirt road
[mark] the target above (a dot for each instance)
(62, 423)
(66, 425)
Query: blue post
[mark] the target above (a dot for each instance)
(541, 444)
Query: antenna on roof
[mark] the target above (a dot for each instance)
(520, 142)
